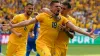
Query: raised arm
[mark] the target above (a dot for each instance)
(23, 23)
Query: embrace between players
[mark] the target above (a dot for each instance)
(56, 27)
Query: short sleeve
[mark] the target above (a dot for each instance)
(72, 20)
(65, 20)
(15, 19)
(40, 17)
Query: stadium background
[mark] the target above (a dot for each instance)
(86, 12)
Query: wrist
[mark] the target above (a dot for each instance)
(87, 34)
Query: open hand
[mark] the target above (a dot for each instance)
(92, 35)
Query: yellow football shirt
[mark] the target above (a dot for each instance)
(62, 39)
(23, 30)
(73, 20)
(49, 29)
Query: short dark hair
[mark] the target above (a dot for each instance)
(67, 4)
(54, 1)
(29, 4)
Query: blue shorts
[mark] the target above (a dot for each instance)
(31, 45)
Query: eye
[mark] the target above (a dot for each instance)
(63, 8)
(57, 6)
(31, 8)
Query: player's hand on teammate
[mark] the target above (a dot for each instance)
(62, 27)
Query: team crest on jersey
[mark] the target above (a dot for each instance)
(25, 28)
(54, 24)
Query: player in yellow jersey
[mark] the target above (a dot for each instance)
(61, 43)
(49, 28)
(18, 38)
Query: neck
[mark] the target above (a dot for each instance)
(64, 14)
(26, 15)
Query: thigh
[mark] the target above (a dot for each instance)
(44, 51)
(63, 52)
(21, 50)
(57, 51)
(11, 49)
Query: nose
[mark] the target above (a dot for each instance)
(30, 9)
(59, 7)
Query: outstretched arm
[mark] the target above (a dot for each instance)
(23, 23)
(77, 29)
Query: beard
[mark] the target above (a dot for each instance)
(29, 13)
(56, 16)
(57, 13)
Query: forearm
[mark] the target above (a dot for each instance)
(77, 29)
(24, 23)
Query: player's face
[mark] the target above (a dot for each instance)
(29, 9)
(56, 8)
(65, 9)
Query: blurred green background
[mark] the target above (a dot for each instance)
(74, 50)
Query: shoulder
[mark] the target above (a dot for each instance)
(18, 15)
(42, 14)
(62, 17)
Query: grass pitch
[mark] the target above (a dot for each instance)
(74, 50)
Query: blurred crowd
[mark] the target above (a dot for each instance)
(86, 12)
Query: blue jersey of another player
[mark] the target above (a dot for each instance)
(31, 41)
(35, 33)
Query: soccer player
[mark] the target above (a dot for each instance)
(31, 40)
(61, 43)
(31, 45)
(18, 38)
(49, 28)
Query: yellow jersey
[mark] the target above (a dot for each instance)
(49, 29)
(13, 38)
(62, 39)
